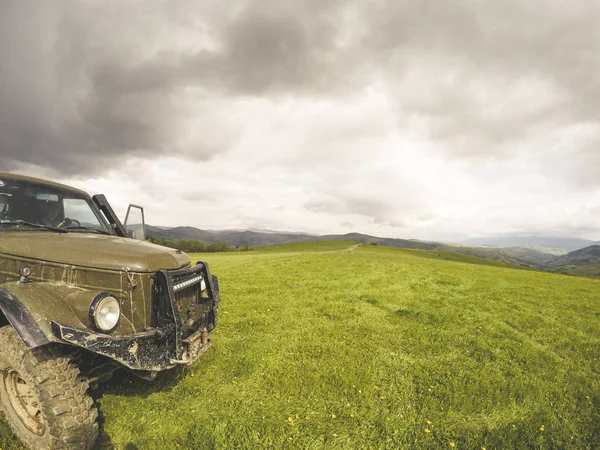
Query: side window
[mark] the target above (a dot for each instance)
(78, 209)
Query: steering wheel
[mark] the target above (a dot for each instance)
(67, 221)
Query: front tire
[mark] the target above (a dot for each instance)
(43, 396)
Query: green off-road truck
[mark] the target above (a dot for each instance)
(81, 295)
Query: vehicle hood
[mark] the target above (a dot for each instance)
(91, 250)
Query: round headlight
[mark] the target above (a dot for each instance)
(105, 312)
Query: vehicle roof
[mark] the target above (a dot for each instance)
(18, 177)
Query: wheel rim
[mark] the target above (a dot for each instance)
(24, 401)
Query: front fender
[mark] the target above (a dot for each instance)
(24, 323)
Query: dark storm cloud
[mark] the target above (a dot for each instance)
(263, 50)
(79, 85)
(82, 83)
(75, 91)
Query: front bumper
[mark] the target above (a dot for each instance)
(151, 350)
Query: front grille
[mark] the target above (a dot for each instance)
(185, 297)
(191, 303)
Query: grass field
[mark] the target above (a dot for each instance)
(332, 345)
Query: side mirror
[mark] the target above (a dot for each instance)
(134, 223)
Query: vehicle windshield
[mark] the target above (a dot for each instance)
(31, 206)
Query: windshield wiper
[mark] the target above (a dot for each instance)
(82, 227)
(31, 224)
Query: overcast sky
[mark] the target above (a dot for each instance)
(425, 119)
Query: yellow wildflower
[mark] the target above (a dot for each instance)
(333, 416)
(542, 428)
(428, 422)
(427, 430)
(452, 444)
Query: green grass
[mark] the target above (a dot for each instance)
(303, 247)
(326, 346)
(443, 255)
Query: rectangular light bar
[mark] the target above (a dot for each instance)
(187, 283)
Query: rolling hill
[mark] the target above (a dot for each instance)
(583, 262)
(524, 257)
(547, 244)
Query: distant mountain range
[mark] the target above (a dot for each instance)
(239, 238)
(536, 252)
(554, 245)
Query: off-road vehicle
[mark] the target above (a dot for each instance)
(81, 295)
